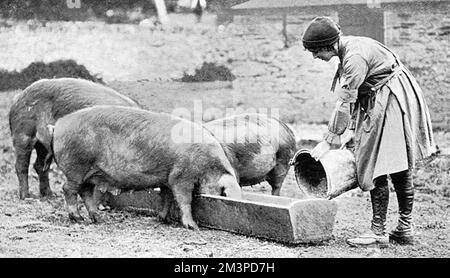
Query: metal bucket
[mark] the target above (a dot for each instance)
(332, 175)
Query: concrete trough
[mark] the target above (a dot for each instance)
(270, 217)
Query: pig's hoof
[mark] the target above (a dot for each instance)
(163, 217)
(95, 218)
(26, 195)
(47, 194)
(103, 207)
(191, 225)
(75, 218)
(23, 196)
(276, 192)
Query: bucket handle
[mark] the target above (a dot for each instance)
(294, 158)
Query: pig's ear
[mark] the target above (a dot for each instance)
(230, 187)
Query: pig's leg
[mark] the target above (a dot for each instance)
(23, 146)
(87, 194)
(167, 200)
(182, 192)
(39, 166)
(276, 177)
(102, 200)
(71, 190)
(101, 195)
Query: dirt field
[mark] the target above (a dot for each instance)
(269, 77)
(40, 228)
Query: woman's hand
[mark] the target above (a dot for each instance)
(320, 149)
(348, 141)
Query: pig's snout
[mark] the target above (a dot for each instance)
(230, 187)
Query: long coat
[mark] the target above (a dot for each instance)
(389, 112)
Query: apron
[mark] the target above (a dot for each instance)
(393, 126)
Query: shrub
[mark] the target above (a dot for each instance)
(209, 72)
(39, 70)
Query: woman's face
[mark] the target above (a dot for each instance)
(323, 54)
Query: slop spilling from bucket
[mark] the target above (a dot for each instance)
(332, 175)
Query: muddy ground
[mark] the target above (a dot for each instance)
(268, 77)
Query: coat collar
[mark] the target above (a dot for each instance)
(342, 49)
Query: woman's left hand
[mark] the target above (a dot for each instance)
(320, 149)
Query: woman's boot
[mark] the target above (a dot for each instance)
(377, 235)
(403, 233)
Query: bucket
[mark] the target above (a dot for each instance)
(332, 175)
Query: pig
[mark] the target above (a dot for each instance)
(114, 149)
(40, 105)
(258, 146)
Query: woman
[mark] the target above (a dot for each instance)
(383, 106)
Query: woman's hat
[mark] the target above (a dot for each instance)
(321, 32)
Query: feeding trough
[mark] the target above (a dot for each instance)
(270, 217)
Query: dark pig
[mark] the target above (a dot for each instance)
(41, 104)
(258, 146)
(117, 149)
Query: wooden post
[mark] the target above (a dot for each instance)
(286, 45)
(162, 12)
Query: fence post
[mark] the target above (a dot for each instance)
(162, 12)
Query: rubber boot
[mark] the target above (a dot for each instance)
(377, 235)
(403, 233)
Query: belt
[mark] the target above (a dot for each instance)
(395, 71)
(366, 97)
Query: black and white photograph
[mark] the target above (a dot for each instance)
(259, 130)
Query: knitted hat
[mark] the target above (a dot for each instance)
(321, 32)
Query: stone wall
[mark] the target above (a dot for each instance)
(422, 40)
(420, 37)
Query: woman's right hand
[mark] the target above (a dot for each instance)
(320, 149)
(348, 141)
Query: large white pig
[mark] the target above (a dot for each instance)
(118, 148)
(258, 146)
(41, 104)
